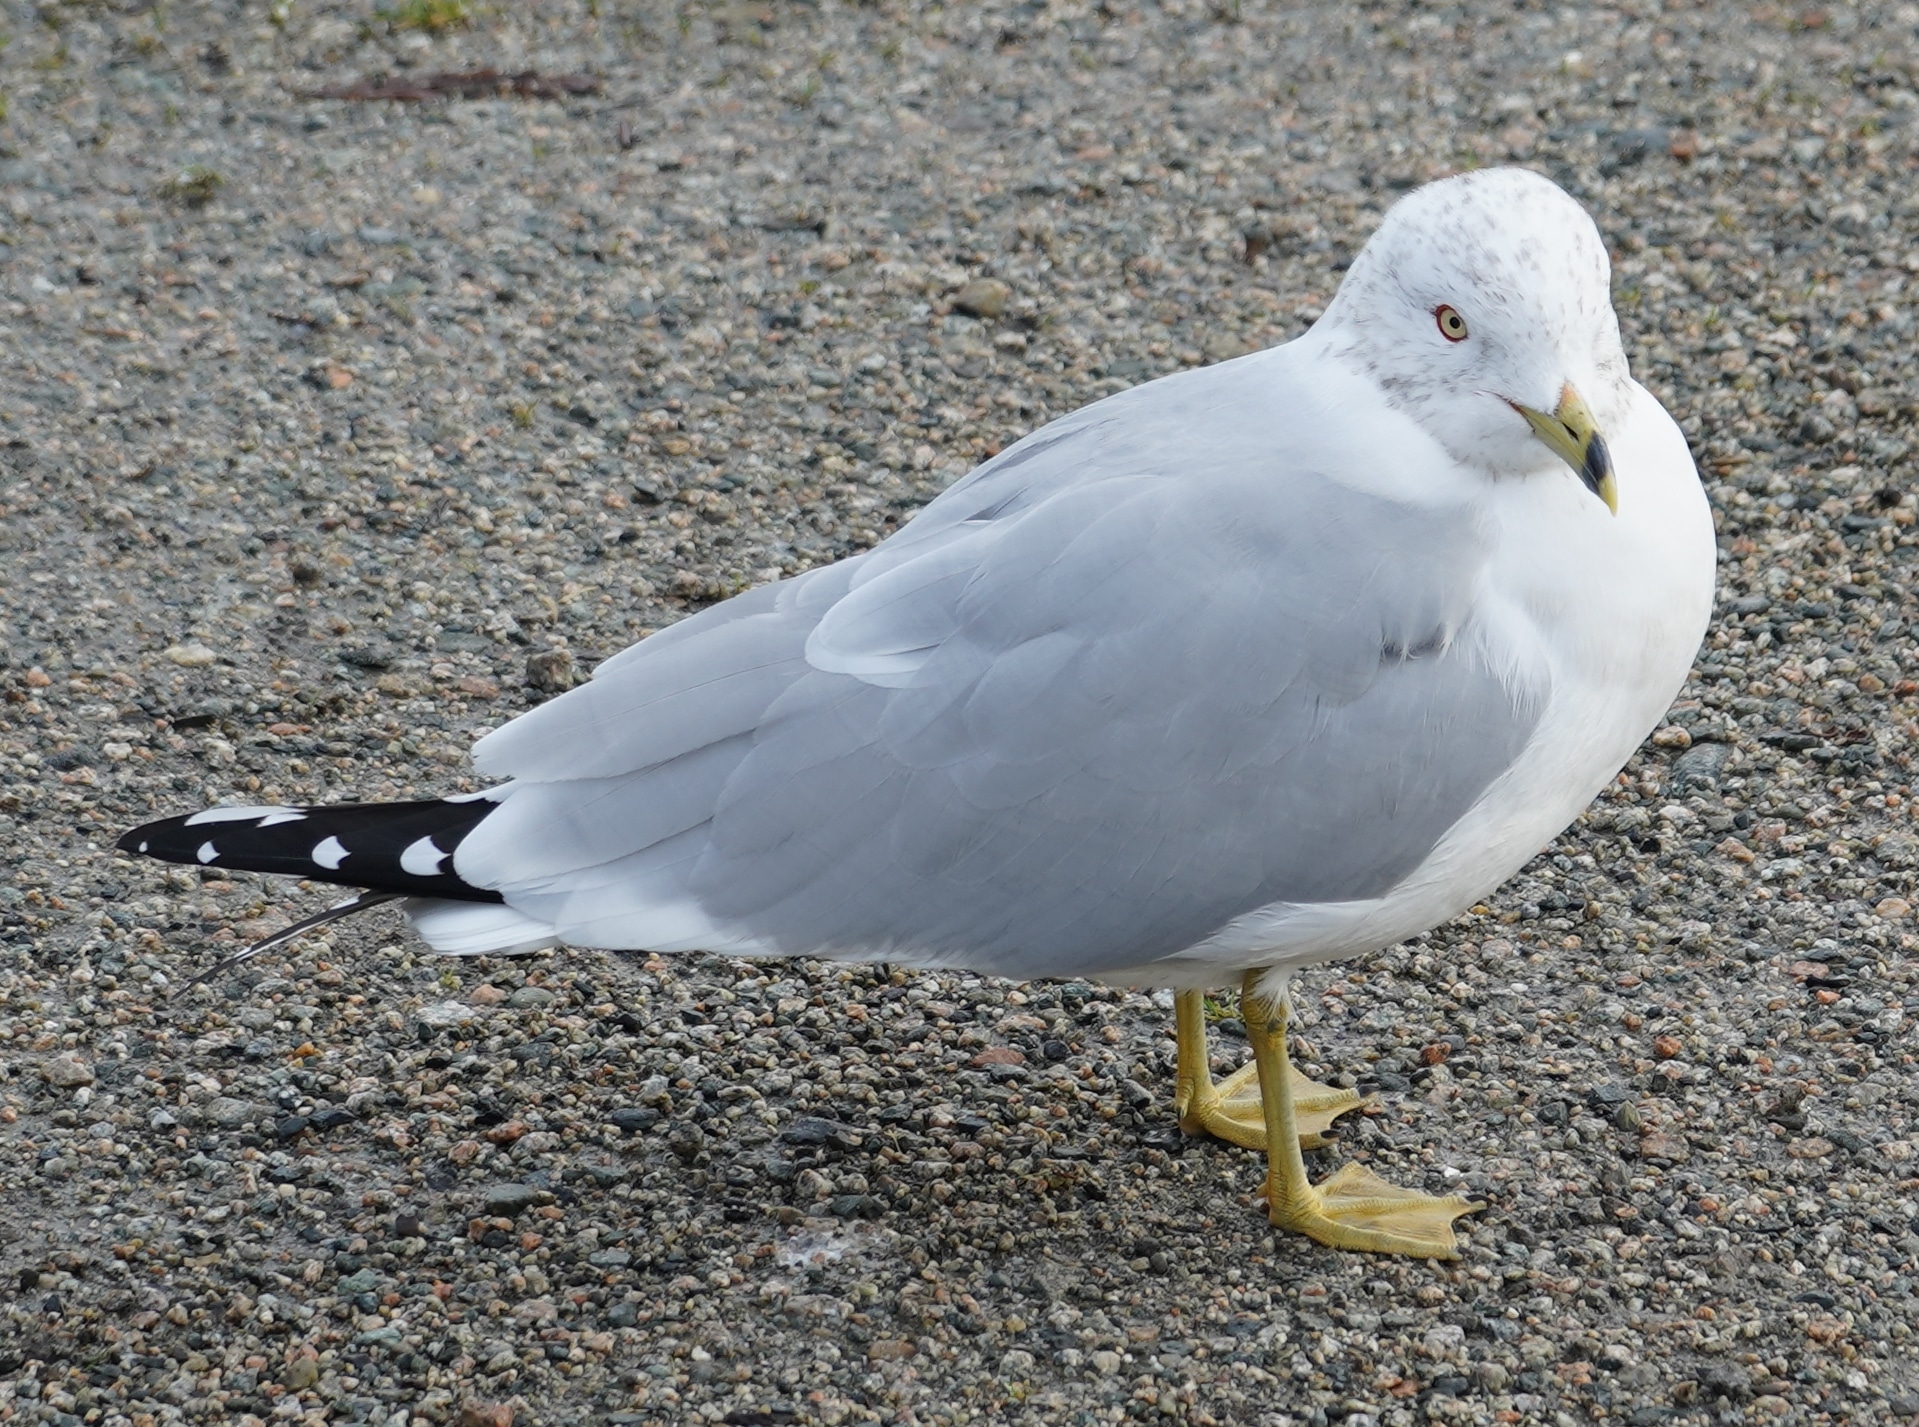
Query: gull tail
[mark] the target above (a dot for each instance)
(387, 851)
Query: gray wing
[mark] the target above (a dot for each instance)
(1142, 674)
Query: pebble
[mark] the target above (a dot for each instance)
(67, 1072)
(983, 297)
(509, 1198)
(1700, 766)
(551, 671)
(227, 1112)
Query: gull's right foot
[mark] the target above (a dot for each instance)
(1231, 1110)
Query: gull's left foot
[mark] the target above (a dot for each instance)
(1354, 1208)
(1231, 1110)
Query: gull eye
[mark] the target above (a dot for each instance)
(1451, 325)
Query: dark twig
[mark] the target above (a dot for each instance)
(319, 919)
(464, 84)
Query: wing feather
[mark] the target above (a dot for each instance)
(1145, 672)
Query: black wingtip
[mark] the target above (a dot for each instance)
(404, 848)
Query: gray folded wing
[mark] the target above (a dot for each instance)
(1144, 673)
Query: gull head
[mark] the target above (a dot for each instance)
(1482, 310)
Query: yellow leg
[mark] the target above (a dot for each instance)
(1232, 1109)
(1353, 1208)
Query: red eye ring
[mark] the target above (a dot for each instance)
(1451, 325)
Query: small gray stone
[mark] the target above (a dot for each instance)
(68, 1072)
(227, 1112)
(1699, 766)
(509, 1198)
(983, 297)
(551, 671)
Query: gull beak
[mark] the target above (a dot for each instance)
(1571, 435)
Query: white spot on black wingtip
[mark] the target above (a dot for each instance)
(423, 858)
(286, 817)
(143, 846)
(206, 852)
(265, 816)
(329, 854)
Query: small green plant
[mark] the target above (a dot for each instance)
(192, 187)
(522, 413)
(433, 16)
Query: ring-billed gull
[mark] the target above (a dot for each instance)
(1248, 668)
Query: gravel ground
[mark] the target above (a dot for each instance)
(333, 433)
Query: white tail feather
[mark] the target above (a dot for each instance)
(476, 928)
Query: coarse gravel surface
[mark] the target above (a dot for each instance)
(334, 433)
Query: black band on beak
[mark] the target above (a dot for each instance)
(1571, 434)
(1596, 469)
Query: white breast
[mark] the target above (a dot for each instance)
(1613, 609)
